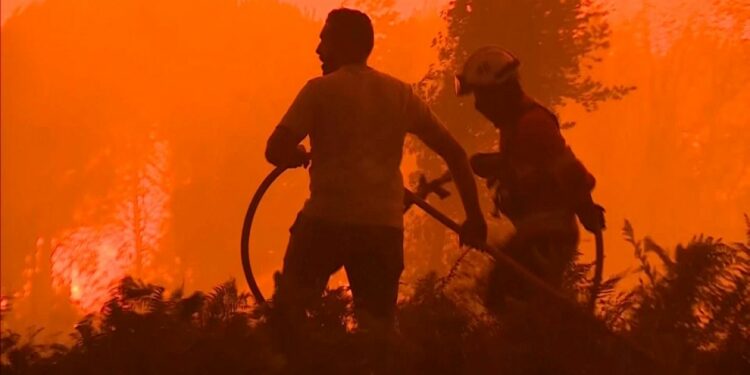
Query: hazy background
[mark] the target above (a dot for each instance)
(133, 134)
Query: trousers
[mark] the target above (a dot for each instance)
(372, 257)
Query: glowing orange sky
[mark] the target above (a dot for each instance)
(219, 102)
(320, 7)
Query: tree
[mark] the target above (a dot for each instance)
(673, 156)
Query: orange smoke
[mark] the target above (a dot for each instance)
(88, 261)
(132, 136)
(86, 84)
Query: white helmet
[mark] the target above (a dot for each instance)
(490, 65)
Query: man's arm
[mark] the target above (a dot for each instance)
(438, 139)
(283, 148)
(486, 164)
(430, 131)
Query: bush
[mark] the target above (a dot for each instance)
(690, 314)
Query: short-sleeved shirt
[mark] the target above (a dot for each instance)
(357, 119)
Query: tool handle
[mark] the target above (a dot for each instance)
(496, 255)
(432, 211)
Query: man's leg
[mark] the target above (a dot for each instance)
(310, 259)
(312, 255)
(374, 262)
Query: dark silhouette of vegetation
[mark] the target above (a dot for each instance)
(690, 312)
(557, 42)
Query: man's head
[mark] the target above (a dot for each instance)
(491, 74)
(346, 38)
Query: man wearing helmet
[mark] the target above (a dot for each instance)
(539, 183)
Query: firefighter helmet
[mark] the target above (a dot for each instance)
(490, 65)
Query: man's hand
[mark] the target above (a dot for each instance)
(592, 217)
(301, 158)
(473, 232)
(486, 165)
(283, 149)
(430, 131)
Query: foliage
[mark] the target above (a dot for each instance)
(150, 109)
(689, 314)
(683, 127)
(203, 81)
(556, 41)
(693, 308)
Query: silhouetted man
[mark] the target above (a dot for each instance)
(539, 183)
(356, 118)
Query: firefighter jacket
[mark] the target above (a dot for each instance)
(536, 172)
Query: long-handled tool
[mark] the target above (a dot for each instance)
(425, 188)
(551, 292)
(498, 256)
(410, 198)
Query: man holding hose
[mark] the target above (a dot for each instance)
(357, 119)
